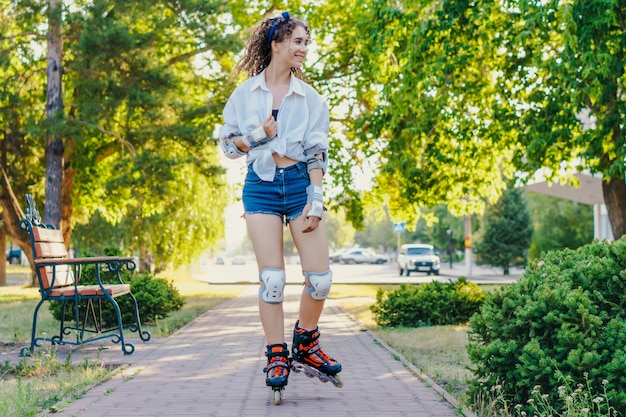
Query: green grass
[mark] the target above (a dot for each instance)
(43, 383)
(438, 351)
(16, 314)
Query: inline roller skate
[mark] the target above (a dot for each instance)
(277, 369)
(308, 357)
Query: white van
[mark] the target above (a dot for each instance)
(418, 258)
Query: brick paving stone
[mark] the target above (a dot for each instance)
(213, 367)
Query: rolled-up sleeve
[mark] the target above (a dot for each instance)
(319, 125)
(230, 128)
(230, 125)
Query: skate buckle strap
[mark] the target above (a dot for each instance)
(276, 364)
(278, 360)
(278, 356)
(312, 348)
(282, 355)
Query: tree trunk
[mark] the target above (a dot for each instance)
(54, 112)
(3, 262)
(66, 203)
(614, 192)
(145, 263)
(11, 215)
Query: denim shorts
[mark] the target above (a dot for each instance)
(285, 196)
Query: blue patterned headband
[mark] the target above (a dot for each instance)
(285, 17)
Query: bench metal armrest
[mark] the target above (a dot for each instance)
(114, 264)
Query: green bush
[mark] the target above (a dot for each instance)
(434, 303)
(564, 318)
(156, 297)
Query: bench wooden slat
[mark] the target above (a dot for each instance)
(41, 234)
(63, 276)
(90, 260)
(49, 243)
(50, 250)
(88, 290)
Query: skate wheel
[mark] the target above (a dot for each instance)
(278, 396)
(339, 382)
(309, 375)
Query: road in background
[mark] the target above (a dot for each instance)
(351, 274)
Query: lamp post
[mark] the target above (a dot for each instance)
(449, 232)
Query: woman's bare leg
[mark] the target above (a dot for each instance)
(313, 250)
(266, 234)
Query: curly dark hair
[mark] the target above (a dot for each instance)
(258, 53)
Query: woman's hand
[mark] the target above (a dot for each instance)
(270, 126)
(310, 223)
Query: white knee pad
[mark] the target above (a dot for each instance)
(318, 284)
(272, 285)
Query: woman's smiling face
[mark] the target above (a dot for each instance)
(293, 51)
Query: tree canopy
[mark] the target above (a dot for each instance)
(453, 100)
(448, 101)
(143, 88)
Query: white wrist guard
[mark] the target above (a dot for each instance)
(253, 138)
(315, 196)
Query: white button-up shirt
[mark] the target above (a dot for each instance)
(303, 122)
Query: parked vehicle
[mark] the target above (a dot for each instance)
(238, 260)
(362, 256)
(418, 258)
(14, 256)
(335, 257)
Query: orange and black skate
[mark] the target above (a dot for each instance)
(277, 369)
(308, 357)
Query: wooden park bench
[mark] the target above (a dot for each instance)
(59, 280)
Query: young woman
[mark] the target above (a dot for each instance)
(281, 125)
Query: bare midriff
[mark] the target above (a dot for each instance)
(283, 161)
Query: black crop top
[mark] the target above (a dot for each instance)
(275, 114)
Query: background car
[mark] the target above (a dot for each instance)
(418, 258)
(238, 260)
(14, 256)
(362, 256)
(335, 257)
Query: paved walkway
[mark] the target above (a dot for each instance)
(213, 367)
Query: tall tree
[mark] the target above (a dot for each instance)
(54, 111)
(419, 100)
(452, 99)
(137, 127)
(22, 78)
(142, 133)
(565, 73)
(506, 233)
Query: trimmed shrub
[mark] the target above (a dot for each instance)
(434, 303)
(565, 318)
